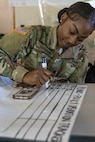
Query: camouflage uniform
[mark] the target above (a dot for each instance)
(69, 64)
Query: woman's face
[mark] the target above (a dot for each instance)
(71, 33)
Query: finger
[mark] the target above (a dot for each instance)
(42, 78)
(46, 71)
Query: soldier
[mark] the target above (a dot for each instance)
(60, 45)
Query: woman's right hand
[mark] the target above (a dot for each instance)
(37, 77)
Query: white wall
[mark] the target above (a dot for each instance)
(6, 16)
(46, 14)
(43, 12)
(40, 12)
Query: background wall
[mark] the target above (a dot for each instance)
(6, 16)
(44, 13)
(30, 12)
(41, 12)
(32, 15)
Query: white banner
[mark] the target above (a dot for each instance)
(17, 3)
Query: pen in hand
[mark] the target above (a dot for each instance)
(44, 65)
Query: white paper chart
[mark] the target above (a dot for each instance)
(17, 3)
(48, 117)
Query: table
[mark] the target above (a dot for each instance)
(83, 127)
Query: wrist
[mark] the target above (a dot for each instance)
(19, 73)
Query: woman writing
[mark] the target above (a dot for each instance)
(60, 45)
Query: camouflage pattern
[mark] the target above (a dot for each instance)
(69, 64)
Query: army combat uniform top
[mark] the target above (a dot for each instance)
(20, 54)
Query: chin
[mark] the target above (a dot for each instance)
(64, 47)
(61, 46)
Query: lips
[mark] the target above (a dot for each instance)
(66, 45)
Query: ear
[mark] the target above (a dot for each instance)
(63, 18)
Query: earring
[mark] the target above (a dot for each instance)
(60, 21)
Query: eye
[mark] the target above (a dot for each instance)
(81, 39)
(72, 32)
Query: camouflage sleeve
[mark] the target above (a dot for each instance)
(79, 74)
(8, 69)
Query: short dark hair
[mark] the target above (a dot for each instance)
(84, 9)
(61, 12)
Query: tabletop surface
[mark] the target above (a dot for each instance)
(49, 115)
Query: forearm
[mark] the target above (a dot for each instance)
(9, 69)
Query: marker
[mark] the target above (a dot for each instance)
(44, 65)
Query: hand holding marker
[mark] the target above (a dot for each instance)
(44, 65)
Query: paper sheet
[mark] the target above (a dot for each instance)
(48, 116)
